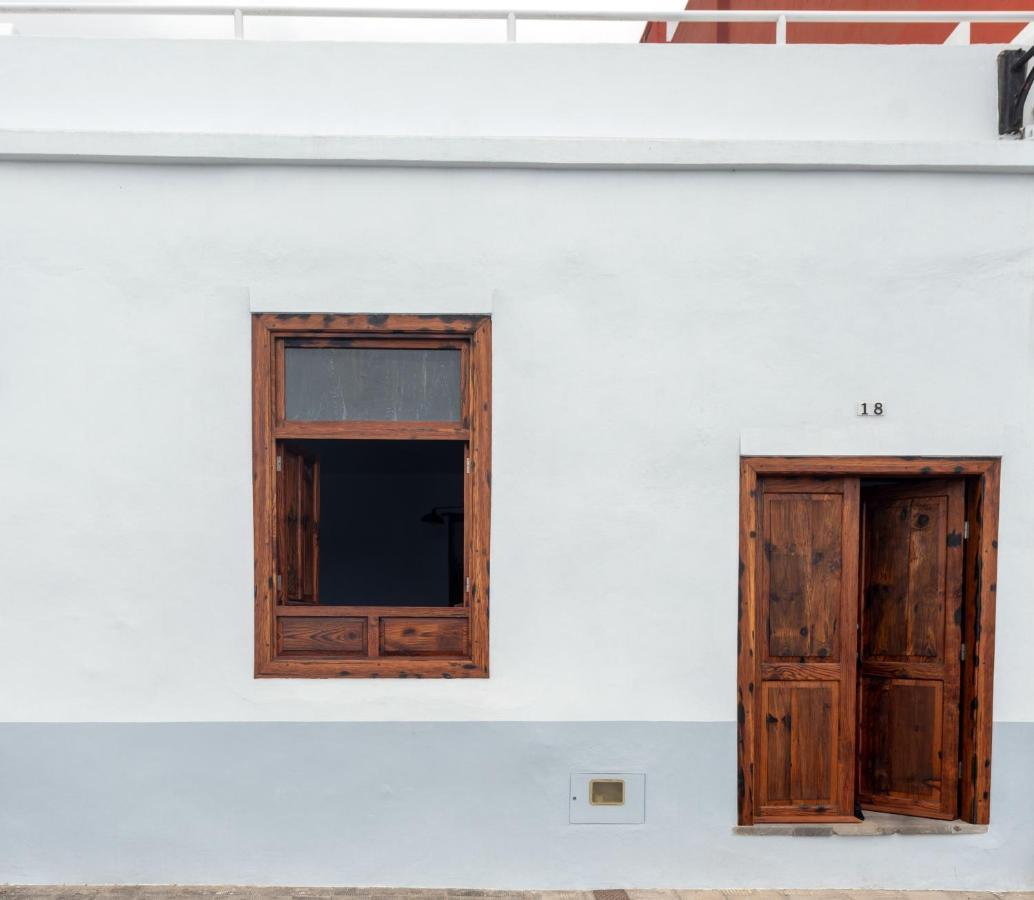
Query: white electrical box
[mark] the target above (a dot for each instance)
(608, 798)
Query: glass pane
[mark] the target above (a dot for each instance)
(354, 383)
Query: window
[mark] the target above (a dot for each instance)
(372, 440)
(866, 637)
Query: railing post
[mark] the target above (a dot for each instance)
(238, 24)
(511, 27)
(959, 35)
(781, 30)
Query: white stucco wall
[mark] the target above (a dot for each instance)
(648, 327)
(689, 253)
(644, 326)
(655, 91)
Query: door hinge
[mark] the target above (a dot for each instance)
(469, 465)
(965, 531)
(467, 585)
(962, 653)
(279, 583)
(279, 463)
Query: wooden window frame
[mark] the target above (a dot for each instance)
(982, 478)
(472, 335)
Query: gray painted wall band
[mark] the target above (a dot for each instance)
(443, 804)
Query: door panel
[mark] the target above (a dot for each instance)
(900, 747)
(807, 610)
(797, 770)
(904, 591)
(802, 546)
(910, 639)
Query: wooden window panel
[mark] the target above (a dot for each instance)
(333, 636)
(297, 527)
(310, 641)
(905, 676)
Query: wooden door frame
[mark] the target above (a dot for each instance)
(983, 475)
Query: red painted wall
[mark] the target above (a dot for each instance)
(839, 32)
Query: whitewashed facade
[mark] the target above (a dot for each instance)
(689, 254)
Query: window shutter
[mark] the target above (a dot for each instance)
(297, 533)
(807, 631)
(911, 639)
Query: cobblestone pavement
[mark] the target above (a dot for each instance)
(217, 892)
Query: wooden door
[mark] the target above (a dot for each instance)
(807, 622)
(297, 527)
(911, 631)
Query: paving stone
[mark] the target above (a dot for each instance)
(222, 892)
(657, 894)
(401, 894)
(834, 895)
(485, 895)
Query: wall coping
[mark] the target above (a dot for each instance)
(995, 156)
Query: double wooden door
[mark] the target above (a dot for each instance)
(859, 633)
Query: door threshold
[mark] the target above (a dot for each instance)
(875, 824)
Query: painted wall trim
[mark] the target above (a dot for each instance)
(475, 805)
(1006, 156)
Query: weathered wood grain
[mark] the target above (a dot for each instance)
(747, 675)
(900, 758)
(871, 466)
(297, 527)
(478, 491)
(263, 483)
(460, 612)
(801, 575)
(910, 638)
(797, 765)
(354, 430)
(463, 631)
(981, 476)
(321, 636)
(424, 637)
(979, 628)
(806, 611)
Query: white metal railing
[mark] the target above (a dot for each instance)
(962, 19)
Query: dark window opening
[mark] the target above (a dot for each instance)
(389, 524)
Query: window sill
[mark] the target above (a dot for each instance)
(874, 825)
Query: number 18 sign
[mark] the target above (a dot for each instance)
(870, 409)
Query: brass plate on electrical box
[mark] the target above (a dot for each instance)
(607, 792)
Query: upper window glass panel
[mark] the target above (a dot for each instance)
(333, 384)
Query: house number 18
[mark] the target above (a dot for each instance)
(870, 409)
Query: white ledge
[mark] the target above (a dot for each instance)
(1005, 156)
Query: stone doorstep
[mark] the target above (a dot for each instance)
(873, 825)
